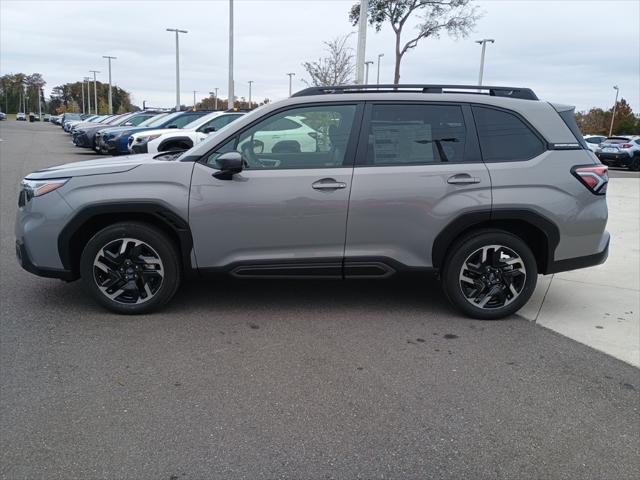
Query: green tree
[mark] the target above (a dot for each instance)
(454, 17)
(598, 121)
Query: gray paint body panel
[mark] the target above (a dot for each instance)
(267, 215)
(386, 211)
(397, 211)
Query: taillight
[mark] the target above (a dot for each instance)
(595, 178)
(626, 145)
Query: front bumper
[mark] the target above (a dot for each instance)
(25, 262)
(139, 148)
(82, 140)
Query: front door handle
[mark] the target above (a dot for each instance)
(328, 184)
(462, 179)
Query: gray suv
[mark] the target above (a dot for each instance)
(486, 186)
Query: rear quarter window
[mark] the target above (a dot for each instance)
(504, 137)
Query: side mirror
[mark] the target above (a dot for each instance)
(208, 129)
(127, 124)
(173, 125)
(229, 163)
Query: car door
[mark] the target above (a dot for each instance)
(418, 168)
(286, 212)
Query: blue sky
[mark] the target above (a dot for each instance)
(567, 51)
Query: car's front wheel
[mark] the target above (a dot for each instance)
(489, 274)
(634, 165)
(130, 268)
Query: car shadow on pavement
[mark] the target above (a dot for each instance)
(225, 294)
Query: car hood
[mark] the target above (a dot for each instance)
(98, 166)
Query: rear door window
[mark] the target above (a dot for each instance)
(417, 134)
(504, 137)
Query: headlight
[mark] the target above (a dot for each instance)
(37, 188)
(147, 138)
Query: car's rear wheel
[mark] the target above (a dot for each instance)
(130, 268)
(634, 165)
(489, 274)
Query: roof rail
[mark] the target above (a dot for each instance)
(509, 92)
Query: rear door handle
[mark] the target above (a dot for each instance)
(328, 184)
(462, 179)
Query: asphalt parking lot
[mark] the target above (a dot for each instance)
(282, 379)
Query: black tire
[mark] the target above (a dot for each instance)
(161, 254)
(634, 165)
(465, 248)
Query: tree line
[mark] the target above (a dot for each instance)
(597, 121)
(20, 92)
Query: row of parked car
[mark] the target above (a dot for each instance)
(144, 132)
(618, 151)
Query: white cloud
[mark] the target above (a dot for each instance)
(558, 48)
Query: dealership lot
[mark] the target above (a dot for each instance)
(281, 379)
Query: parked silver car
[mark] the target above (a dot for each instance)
(486, 190)
(594, 141)
(622, 151)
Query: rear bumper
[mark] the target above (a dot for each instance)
(580, 262)
(614, 158)
(25, 262)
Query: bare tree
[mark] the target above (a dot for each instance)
(454, 17)
(336, 68)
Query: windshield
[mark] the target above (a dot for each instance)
(166, 118)
(199, 121)
(149, 122)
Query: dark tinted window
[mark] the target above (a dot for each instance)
(219, 122)
(504, 137)
(139, 119)
(282, 124)
(182, 120)
(416, 134)
(596, 140)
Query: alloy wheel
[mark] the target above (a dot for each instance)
(128, 270)
(492, 277)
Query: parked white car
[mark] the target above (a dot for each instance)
(593, 141)
(286, 134)
(167, 139)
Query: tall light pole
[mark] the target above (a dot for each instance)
(362, 41)
(39, 104)
(178, 31)
(95, 88)
(231, 101)
(82, 86)
(366, 76)
(615, 104)
(194, 100)
(215, 98)
(250, 82)
(380, 55)
(110, 98)
(290, 77)
(87, 79)
(483, 42)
